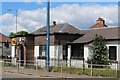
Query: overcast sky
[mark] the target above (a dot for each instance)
(32, 15)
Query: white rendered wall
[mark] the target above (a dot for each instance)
(58, 51)
(119, 51)
(55, 51)
(36, 51)
(69, 55)
(69, 52)
(86, 52)
(114, 43)
(76, 63)
(13, 55)
(41, 62)
(52, 52)
(13, 52)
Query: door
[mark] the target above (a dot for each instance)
(21, 55)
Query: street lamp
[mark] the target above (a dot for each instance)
(48, 36)
(16, 11)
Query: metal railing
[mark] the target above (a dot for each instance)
(61, 68)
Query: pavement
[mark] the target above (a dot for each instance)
(10, 73)
(31, 73)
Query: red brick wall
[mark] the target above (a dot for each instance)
(41, 40)
(29, 48)
(63, 39)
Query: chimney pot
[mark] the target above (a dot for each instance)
(101, 21)
(54, 23)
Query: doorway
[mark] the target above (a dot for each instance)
(21, 56)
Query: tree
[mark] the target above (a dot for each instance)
(99, 51)
(11, 35)
(21, 33)
(18, 33)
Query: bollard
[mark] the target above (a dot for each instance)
(18, 66)
(3, 65)
(36, 68)
(118, 71)
(61, 69)
(91, 70)
(116, 67)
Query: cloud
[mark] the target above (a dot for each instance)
(62, 0)
(39, 2)
(27, 0)
(82, 16)
(86, 15)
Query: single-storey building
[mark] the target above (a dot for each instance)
(81, 46)
(32, 46)
(5, 46)
(67, 43)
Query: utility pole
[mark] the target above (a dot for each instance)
(48, 36)
(16, 20)
(16, 11)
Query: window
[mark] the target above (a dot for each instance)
(7, 44)
(42, 50)
(112, 52)
(77, 51)
(64, 52)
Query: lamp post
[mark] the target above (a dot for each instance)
(48, 36)
(16, 20)
(16, 11)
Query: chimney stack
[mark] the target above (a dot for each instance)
(54, 23)
(101, 21)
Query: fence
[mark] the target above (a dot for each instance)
(61, 69)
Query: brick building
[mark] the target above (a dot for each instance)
(33, 46)
(5, 45)
(67, 43)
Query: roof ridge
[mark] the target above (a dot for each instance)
(62, 26)
(4, 35)
(100, 28)
(74, 26)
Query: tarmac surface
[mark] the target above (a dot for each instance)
(30, 74)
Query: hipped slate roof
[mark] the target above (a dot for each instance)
(58, 28)
(3, 38)
(108, 33)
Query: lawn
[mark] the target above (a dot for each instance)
(104, 72)
(87, 71)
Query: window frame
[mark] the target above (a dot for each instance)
(41, 51)
(113, 54)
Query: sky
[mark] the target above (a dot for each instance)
(31, 15)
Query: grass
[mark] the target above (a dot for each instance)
(1, 65)
(87, 71)
(118, 73)
(104, 72)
